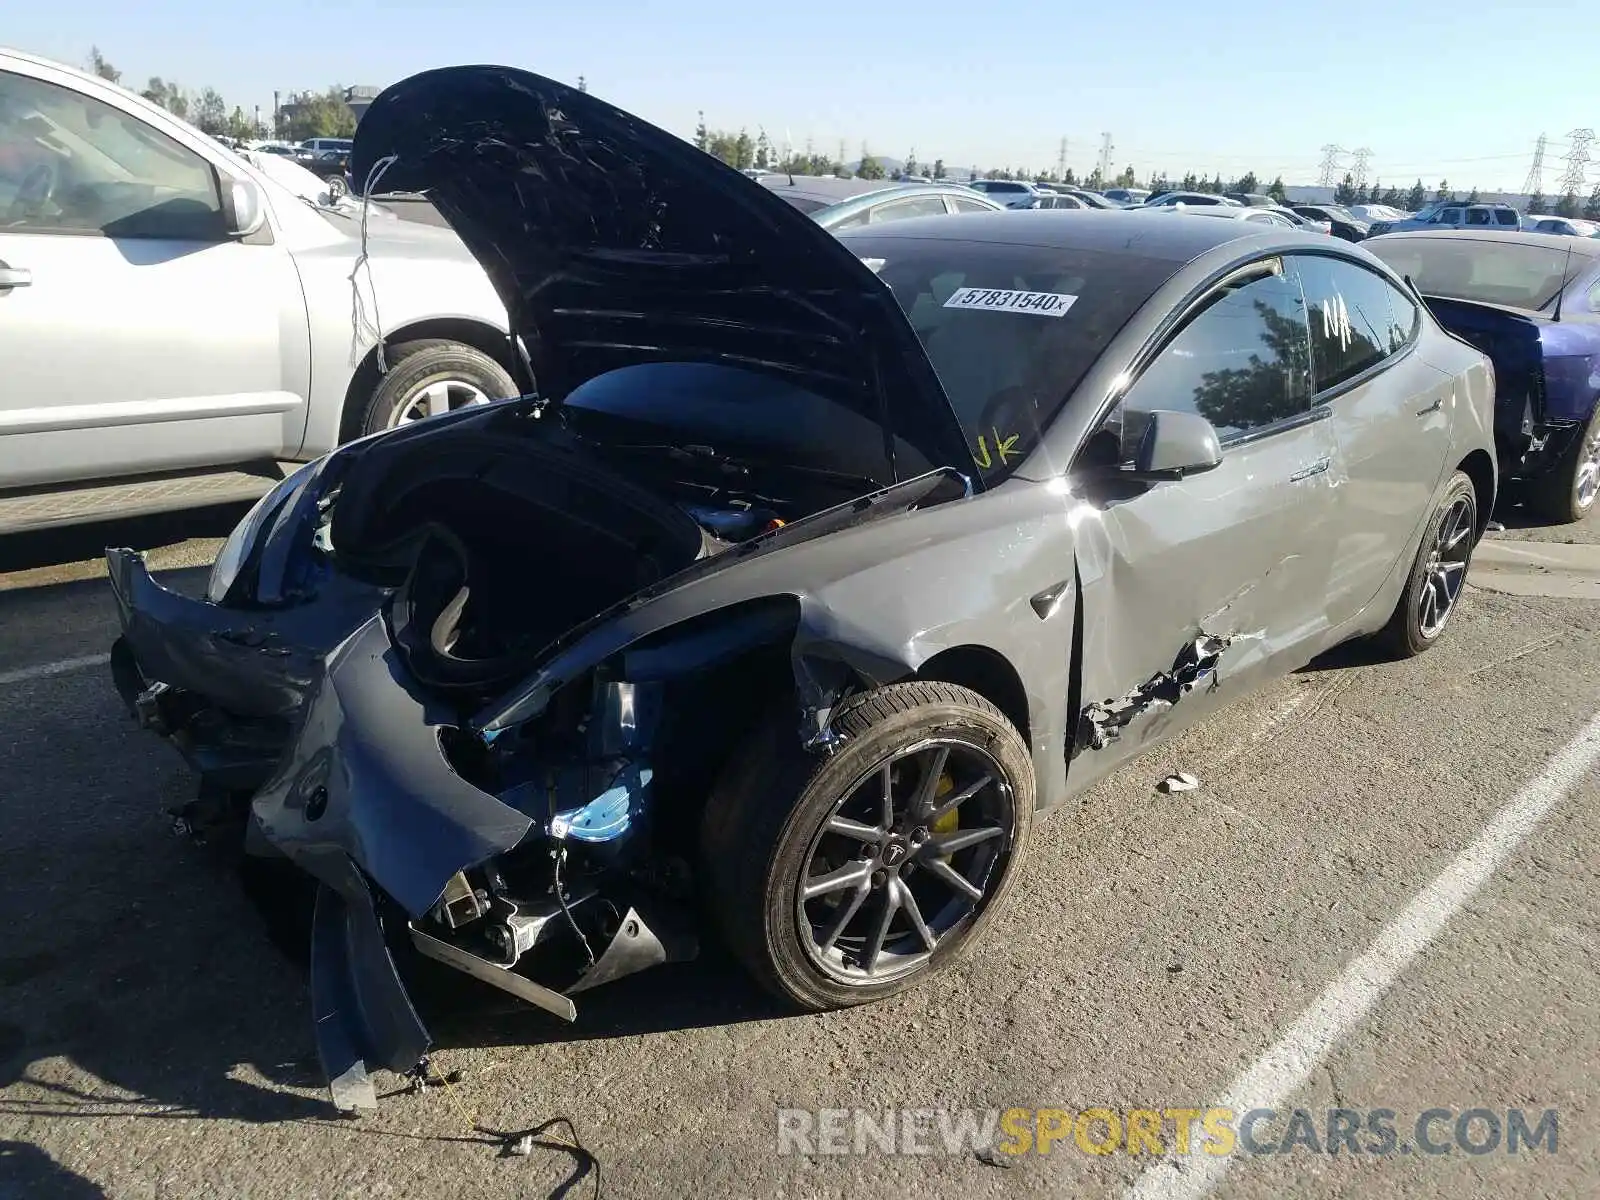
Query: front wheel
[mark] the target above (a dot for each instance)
(1439, 573)
(431, 376)
(844, 879)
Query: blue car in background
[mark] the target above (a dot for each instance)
(1531, 303)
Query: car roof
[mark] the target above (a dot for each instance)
(1581, 246)
(1214, 196)
(827, 188)
(1179, 239)
(896, 191)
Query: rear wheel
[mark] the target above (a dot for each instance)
(845, 879)
(433, 376)
(1568, 490)
(1438, 574)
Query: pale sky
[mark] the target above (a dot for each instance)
(1459, 92)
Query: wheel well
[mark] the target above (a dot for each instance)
(988, 673)
(476, 334)
(1479, 468)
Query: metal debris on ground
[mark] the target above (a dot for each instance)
(1495, 527)
(1180, 782)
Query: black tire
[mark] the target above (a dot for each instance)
(765, 820)
(1405, 634)
(1554, 494)
(416, 365)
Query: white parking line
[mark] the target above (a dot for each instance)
(1346, 1001)
(45, 670)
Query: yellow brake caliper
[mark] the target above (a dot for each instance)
(951, 821)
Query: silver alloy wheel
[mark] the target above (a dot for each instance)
(1587, 483)
(1446, 569)
(432, 399)
(884, 886)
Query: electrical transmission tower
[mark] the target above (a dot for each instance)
(1106, 152)
(1061, 161)
(1363, 157)
(1533, 185)
(1105, 157)
(1572, 179)
(1330, 164)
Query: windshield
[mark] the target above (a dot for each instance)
(806, 204)
(1517, 274)
(1010, 330)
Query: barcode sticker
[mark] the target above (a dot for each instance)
(1040, 304)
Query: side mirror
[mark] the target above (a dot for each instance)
(1175, 444)
(242, 210)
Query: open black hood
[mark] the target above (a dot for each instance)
(613, 243)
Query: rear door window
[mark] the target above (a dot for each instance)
(1504, 216)
(1358, 319)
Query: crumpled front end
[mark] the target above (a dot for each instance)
(477, 684)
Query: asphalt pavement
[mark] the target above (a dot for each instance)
(1384, 895)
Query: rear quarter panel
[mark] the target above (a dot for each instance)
(1571, 368)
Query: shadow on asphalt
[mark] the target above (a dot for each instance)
(27, 1171)
(1363, 652)
(182, 983)
(76, 543)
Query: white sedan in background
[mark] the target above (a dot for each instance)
(1562, 226)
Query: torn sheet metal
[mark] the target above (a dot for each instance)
(1103, 723)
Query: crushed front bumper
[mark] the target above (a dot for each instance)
(222, 684)
(304, 724)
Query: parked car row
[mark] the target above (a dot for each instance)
(825, 555)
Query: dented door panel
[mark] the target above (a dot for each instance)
(1198, 589)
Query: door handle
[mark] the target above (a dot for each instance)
(14, 277)
(1432, 408)
(1316, 468)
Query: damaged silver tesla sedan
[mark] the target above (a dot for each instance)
(817, 567)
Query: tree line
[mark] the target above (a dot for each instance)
(740, 150)
(308, 114)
